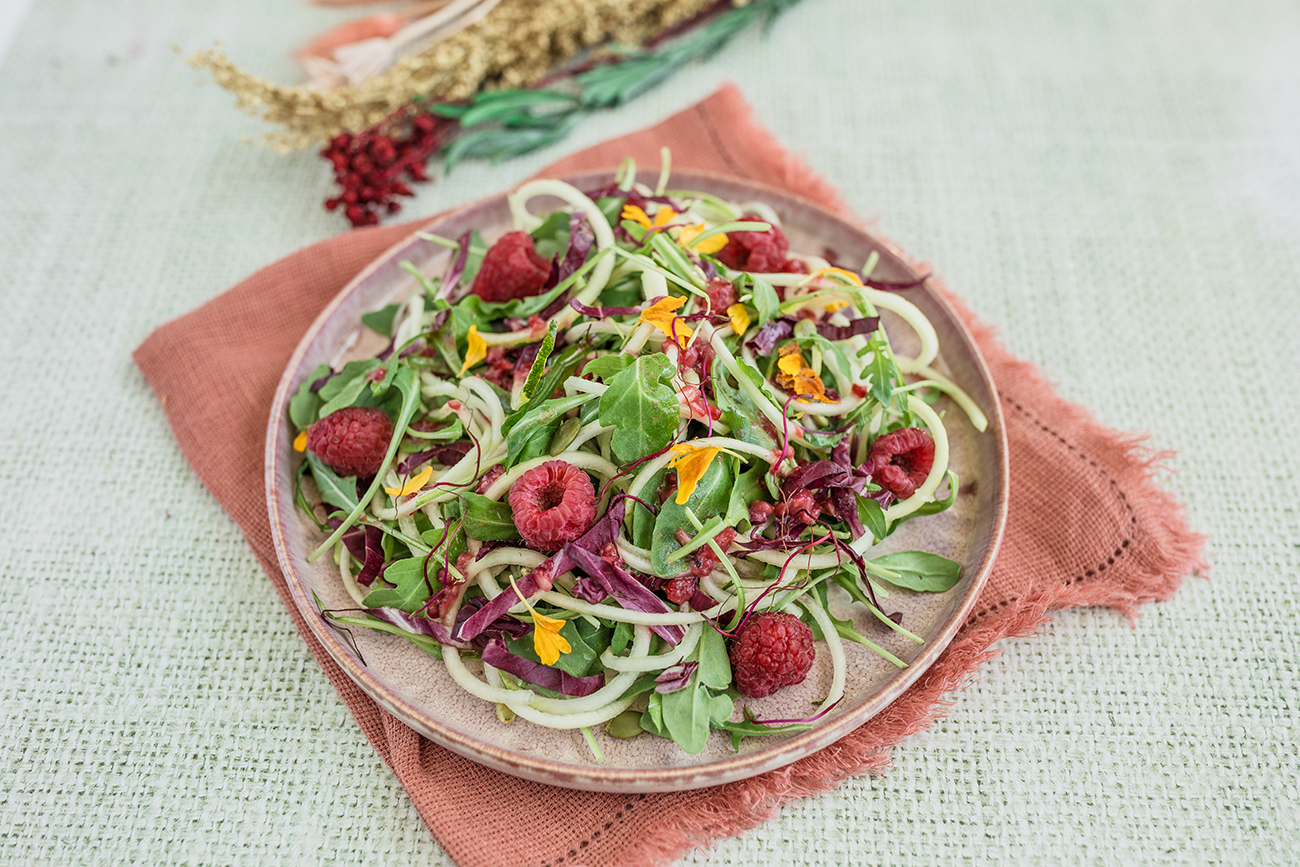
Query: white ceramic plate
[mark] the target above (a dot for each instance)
(415, 687)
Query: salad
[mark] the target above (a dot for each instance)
(613, 465)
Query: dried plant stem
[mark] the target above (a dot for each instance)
(516, 44)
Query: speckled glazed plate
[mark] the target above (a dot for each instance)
(414, 686)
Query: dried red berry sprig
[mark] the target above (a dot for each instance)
(369, 166)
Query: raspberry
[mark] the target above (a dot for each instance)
(722, 294)
(772, 650)
(511, 269)
(352, 441)
(900, 460)
(763, 252)
(553, 504)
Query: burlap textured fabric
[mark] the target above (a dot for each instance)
(1087, 527)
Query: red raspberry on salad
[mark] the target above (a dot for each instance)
(351, 441)
(762, 252)
(511, 269)
(900, 460)
(772, 650)
(553, 504)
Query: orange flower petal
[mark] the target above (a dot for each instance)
(848, 275)
(475, 352)
(636, 215)
(300, 442)
(661, 316)
(547, 640)
(664, 216)
(691, 463)
(709, 245)
(739, 318)
(414, 484)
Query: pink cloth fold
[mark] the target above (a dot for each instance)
(1119, 541)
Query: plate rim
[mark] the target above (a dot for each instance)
(597, 777)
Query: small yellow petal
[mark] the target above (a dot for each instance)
(636, 215)
(836, 305)
(840, 272)
(415, 483)
(661, 316)
(547, 640)
(664, 216)
(691, 463)
(709, 245)
(475, 352)
(792, 364)
(739, 318)
(300, 442)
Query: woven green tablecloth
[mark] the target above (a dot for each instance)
(1116, 185)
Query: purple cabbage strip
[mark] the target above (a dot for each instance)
(891, 286)
(815, 475)
(863, 325)
(771, 334)
(373, 557)
(503, 626)
(623, 586)
(419, 625)
(602, 312)
(497, 655)
(675, 677)
(452, 281)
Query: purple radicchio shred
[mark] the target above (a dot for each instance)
(675, 678)
(895, 286)
(815, 475)
(862, 325)
(602, 312)
(497, 655)
(590, 590)
(447, 455)
(318, 384)
(372, 557)
(419, 625)
(846, 506)
(451, 283)
(504, 626)
(771, 334)
(599, 535)
(624, 587)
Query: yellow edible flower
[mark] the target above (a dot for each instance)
(839, 272)
(547, 640)
(739, 318)
(691, 463)
(662, 217)
(710, 245)
(414, 484)
(475, 352)
(661, 316)
(300, 442)
(797, 377)
(836, 305)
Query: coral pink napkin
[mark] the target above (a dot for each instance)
(1119, 541)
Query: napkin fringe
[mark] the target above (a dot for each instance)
(1169, 551)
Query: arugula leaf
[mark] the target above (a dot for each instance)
(607, 365)
(883, 370)
(710, 499)
(551, 238)
(488, 520)
(715, 665)
(410, 590)
(921, 570)
(531, 436)
(638, 519)
(766, 302)
(338, 491)
(642, 407)
(300, 498)
(381, 321)
(304, 407)
(749, 488)
(689, 714)
(872, 517)
(745, 729)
